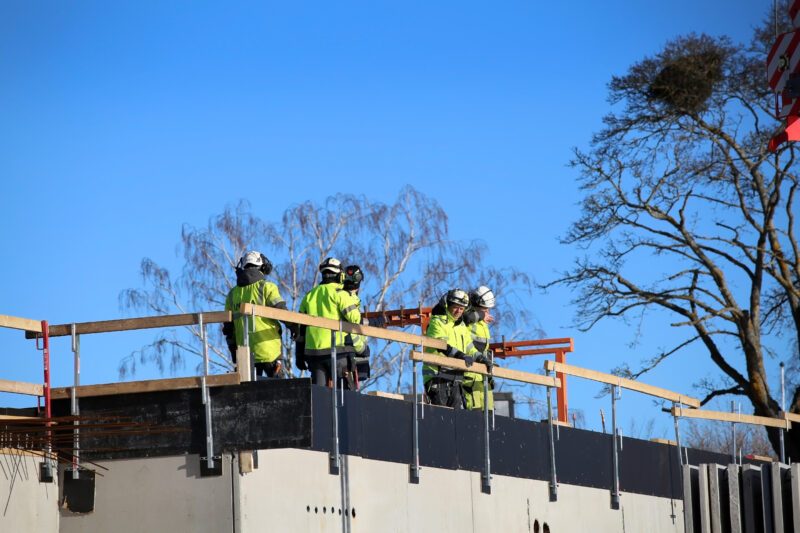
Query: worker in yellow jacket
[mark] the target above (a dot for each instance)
(265, 334)
(443, 386)
(355, 346)
(477, 318)
(326, 300)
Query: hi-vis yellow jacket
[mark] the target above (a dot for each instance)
(457, 335)
(328, 301)
(265, 337)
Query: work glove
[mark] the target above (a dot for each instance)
(486, 361)
(468, 360)
(452, 351)
(293, 328)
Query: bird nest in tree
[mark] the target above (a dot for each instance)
(685, 83)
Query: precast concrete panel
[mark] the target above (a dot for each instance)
(25, 503)
(157, 494)
(293, 491)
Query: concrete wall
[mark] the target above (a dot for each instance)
(26, 504)
(291, 490)
(162, 494)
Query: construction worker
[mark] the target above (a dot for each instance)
(355, 346)
(326, 300)
(443, 386)
(477, 318)
(265, 333)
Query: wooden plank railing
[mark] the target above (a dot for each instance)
(625, 383)
(478, 368)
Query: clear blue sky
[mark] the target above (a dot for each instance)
(123, 120)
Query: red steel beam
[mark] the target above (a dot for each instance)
(560, 347)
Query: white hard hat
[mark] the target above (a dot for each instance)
(482, 297)
(251, 258)
(331, 265)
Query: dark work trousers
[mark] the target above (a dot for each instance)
(269, 370)
(320, 368)
(445, 391)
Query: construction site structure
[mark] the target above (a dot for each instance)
(221, 452)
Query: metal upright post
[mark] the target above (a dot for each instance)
(615, 450)
(733, 433)
(47, 465)
(783, 409)
(414, 470)
(74, 407)
(678, 436)
(486, 477)
(553, 478)
(206, 396)
(333, 459)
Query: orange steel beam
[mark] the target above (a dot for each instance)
(420, 316)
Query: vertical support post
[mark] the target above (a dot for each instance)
(733, 434)
(74, 407)
(783, 408)
(333, 459)
(413, 475)
(247, 458)
(206, 396)
(614, 449)
(561, 393)
(486, 476)
(46, 466)
(552, 447)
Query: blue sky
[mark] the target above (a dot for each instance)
(121, 121)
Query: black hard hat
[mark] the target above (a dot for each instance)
(353, 276)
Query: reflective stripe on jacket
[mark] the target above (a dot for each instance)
(327, 301)
(265, 335)
(480, 335)
(353, 343)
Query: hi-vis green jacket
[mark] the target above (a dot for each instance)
(457, 335)
(328, 301)
(265, 337)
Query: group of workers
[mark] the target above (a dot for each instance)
(460, 319)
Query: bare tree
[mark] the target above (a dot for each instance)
(404, 249)
(718, 437)
(679, 178)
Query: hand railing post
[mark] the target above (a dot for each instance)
(552, 447)
(334, 455)
(74, 407)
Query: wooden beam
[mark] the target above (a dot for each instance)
(21, 387)
(20, 323)
(724, 416)
(133, 387)
(625, 383)
(504, 373)
(792, 417)
(127, 324)
(328, 323)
